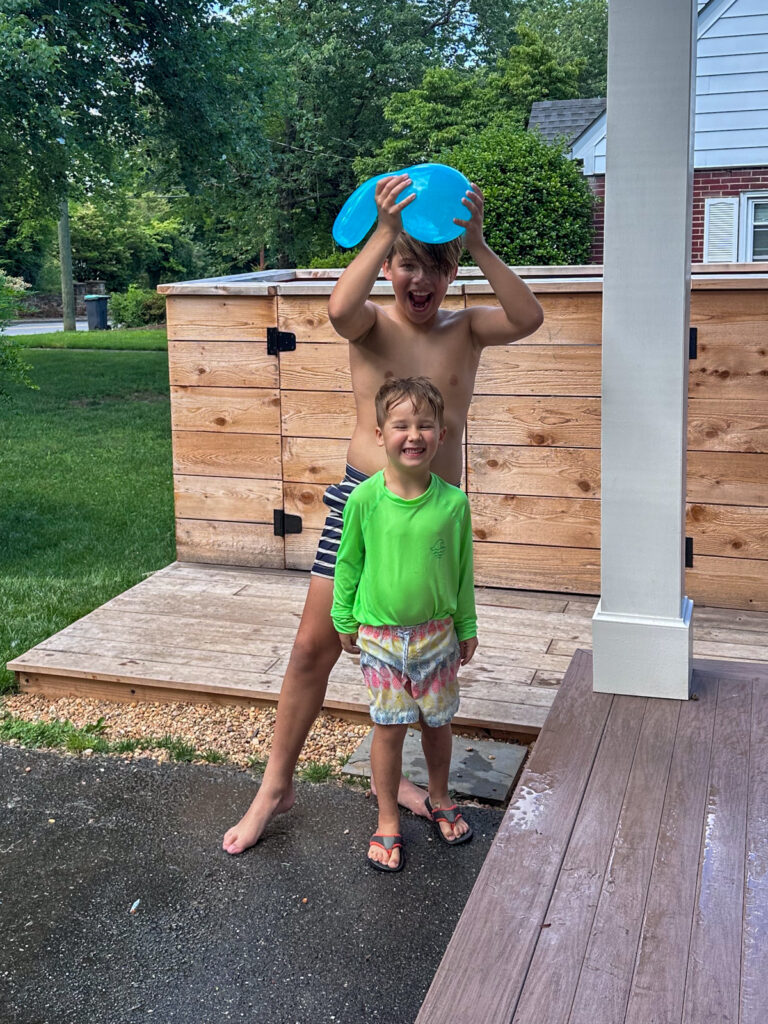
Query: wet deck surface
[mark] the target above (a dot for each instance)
(628, 882)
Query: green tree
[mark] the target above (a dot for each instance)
(13, 368)
(538, 203)
(574, 30)
(453, 104)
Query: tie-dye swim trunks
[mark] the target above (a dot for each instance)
(411, 670)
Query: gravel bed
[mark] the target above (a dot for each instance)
(241, 733)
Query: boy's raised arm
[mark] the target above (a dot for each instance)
(520, 312)
(349, 308)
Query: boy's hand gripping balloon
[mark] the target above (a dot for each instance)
(439, 190)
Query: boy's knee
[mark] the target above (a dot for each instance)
(309, 652)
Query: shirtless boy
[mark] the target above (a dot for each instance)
(415, 337)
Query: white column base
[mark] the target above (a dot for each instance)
(642, 655)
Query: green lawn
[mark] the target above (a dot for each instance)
(141, 340)
(86, 507)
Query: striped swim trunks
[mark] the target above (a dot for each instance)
(335, 498)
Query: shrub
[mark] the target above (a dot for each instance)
(538, 204)
(12, 364)
(137, 307)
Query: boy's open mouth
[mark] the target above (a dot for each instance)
(419, 301)
(413, 451)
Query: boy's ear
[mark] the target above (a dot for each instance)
(452, 277)
(441, 435)
(386, 269)
(379, 437)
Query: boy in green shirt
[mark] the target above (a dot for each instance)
(404, 599)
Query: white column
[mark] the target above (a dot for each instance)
(642, 627)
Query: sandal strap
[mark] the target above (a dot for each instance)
(387, 843)
(449, 814)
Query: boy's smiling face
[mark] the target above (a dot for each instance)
(410, 435)
(419, 290)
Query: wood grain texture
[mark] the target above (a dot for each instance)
(574, 319)
(556, 964)
(209, 454)
(714, 966)
(202, 540)
(658, 984)
(606, 975)
(550, 472)
(227, 364)
(728, 582)
(730, 531)
(528, 566)
(517, 519)
(484, 968)
(523, 369)
(559, 422)
(314, 460)
(234, 410)
(318, 414)
(727, 478)
(236, 499)
(727, 425)
(316, 367)
(219, 318)
(754, 955)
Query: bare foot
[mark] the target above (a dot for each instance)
(248, 831)
(409, 796)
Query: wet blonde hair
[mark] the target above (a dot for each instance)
(443, 257)
(420, 390)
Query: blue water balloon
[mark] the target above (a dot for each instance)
(439, 190)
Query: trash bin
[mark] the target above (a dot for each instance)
(96, 308)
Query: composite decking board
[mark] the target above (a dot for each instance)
(606, 973)
(556, 964)
(658, 983)
(484, 968)
(754, 962)
(714, 964)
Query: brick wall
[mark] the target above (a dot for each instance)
(707, 184)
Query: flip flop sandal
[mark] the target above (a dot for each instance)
(451, 815)
(387, 843)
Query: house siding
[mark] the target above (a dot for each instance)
(708, 183)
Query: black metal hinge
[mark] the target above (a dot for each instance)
(693, 342)
(285, 523)
(689, 552)
(280, 341)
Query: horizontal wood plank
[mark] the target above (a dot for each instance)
(559, 422)
(569, 319)
(314, 460)
(237, 410)
(316, 367)
(202, 540)
(549, 472)
(728, 530)
(238, 499)
(220, 318)
(516, 519)
(226, 364)
(522, 369)
(727, 478)
(532, 567)
(318, 414)
(210, 454)
(727, 426)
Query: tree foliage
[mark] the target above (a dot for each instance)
(538, 203)
(575, 30)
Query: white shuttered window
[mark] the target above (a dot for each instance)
(721, 225)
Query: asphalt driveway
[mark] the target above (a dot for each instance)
(298, 930)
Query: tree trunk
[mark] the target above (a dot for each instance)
(65, 258)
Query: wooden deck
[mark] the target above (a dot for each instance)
(222, 634)
(627, 883)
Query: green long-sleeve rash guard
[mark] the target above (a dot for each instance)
(402, 562)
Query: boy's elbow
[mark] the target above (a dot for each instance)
(536, 318)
